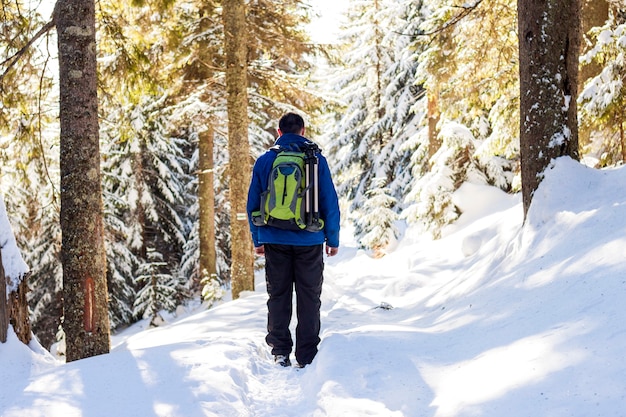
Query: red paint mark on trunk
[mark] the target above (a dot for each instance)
(89, 304)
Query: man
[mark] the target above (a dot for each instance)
(294, 257)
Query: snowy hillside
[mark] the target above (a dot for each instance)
(494, 319)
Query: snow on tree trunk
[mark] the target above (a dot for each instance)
(13, 287)
(14, 308)
(242, 266)
(549, 41)
(86, 320)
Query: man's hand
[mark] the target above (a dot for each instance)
(260, 250)
(330, 251)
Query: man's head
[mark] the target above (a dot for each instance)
(291, 123)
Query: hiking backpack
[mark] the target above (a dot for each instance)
(291, 200)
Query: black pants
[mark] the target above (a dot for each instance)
(286, 266)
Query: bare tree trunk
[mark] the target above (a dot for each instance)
(206, 201)
(85, 304)
(4, 313)
(549, 43)
(622, 139)
(242, 266)
(14, 309)
(433, 118)
(19, 316)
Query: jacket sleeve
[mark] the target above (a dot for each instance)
(329, 204)
(254, 198)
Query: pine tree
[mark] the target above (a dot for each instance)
(85, 319)
(147, 171)
(122, 261)
(430, 200)
(46, 282)
(190, 262)
(404, 101)
(469, 67)
(206, 222)
(158, 288)
(360, 134)
(369, 143)
(376, 225)
(29, 182)
(234, 18)
(603, 98)
(29, 158)
(277, 53)
(24, 66)
(549, 42)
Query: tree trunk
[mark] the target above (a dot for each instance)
(549, 43)
(242, 265)
(206, 201)
(86, 320)
(4, 312)
(622, 138)
(433, 118)
(14, 309)
(19, 316)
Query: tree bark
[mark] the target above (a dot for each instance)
(206, 201)
(19, 316)
(433, 118)
(622, 137)
(4, 312)
(242, 265)
(86, 321)
(549, 43)
(14, 308)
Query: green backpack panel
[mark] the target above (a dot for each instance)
(291, 196)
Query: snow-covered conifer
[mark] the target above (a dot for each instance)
(375, 226)
(603, 98)
(377, 86)
(430, 200)
(159, 287)
(146, 175)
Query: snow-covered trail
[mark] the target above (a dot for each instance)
(492, 320)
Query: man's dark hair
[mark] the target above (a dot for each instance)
(291, 123)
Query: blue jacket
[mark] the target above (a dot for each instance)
(328, 203)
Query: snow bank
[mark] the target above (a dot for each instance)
(14, 266)
(529, 324)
